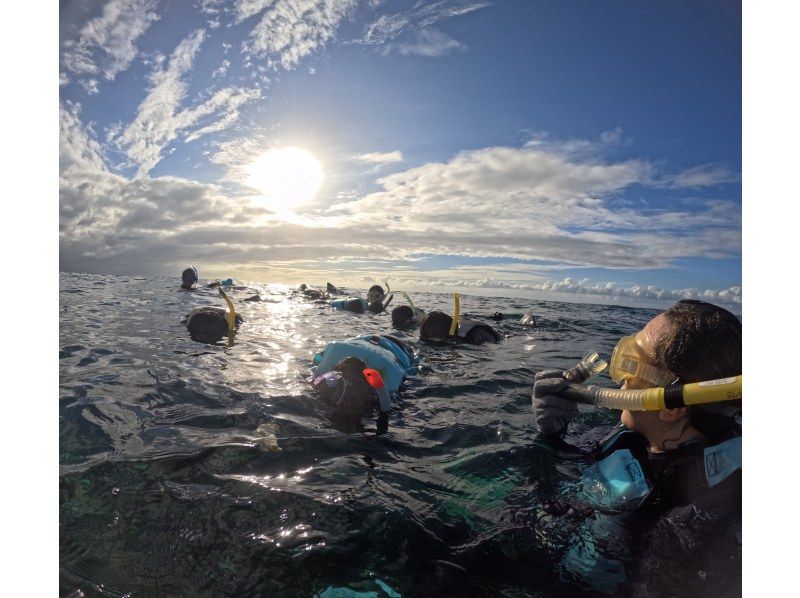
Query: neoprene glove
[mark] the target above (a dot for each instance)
(552, 413)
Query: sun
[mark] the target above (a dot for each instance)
(286, 177)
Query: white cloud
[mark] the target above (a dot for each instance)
(160, 120)
(292, 29)
(106, 45)
(381, 157)
(570, 286)
(537, 204)
(702, 176)
(428, 42)
(411, 32)
(221, 70)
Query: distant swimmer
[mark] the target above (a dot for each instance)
(405, 316)
(189, 278)
(312, 293)
(528, 319)
(375, 299)
(357, 305)
(440, 326)
(359, 374)
(209, 323)
(227, 282)
(332, 290)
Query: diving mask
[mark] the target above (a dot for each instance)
(627, 362)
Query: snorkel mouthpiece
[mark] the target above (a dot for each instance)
(590, 365)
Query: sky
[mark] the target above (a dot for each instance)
(578, 151)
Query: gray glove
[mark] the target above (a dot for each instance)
(552, 413)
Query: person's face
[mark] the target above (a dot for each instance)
(645, 341)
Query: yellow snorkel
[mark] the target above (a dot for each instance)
(410, 302)
(456, 313)
(231, 310)
(653, 399)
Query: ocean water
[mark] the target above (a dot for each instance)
(189, 469)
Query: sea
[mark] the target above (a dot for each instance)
(195, 469)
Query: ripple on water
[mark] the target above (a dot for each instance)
(192, 469)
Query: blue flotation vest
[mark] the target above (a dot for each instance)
(392, 360)
(342, 303)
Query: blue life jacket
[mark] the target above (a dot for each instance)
(390, 357)
(342, 303)
(628, 473)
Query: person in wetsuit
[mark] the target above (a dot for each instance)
(356, 375)
(436, 325)
(189, 278)
(687, 456)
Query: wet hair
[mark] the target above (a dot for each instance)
(360, 395)
(354, 305)
(350, 365)
(402, 315)
(701, 342)
(207, 325)
(435, 325)
(481, 334)
(375, 293)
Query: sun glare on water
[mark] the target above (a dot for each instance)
(287, 178)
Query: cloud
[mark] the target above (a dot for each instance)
(429, 42)
(410, 33)
(292, 29)
(701, 176)
(159, 119)
(381, 157)
(540, 205)
(576, 287)
(106, 45)
(108, 219)
(221, 70)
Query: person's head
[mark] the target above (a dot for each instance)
(354, 305)
(375, 293)
(346, 388)
(207, 325)
(435, 325)
(189, 277)
(402, 315)
(692, 341)
(481, 334)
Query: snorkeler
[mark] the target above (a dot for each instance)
(189, 278)
(671, 448)
(209, 323)
(358, 374)
(375, 299)
(404, 316)
(440, 326)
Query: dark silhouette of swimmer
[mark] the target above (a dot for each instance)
(375, 299)
(209, 324)
(346, 389)
(402, 316)
(436, 325)
(189, 278)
